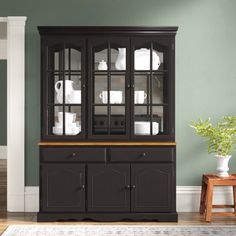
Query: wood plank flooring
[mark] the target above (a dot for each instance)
(3, 185)
(7, 219)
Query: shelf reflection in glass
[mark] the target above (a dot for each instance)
(100, 88)
(157, 89)
(140, 85)
(100, 120)
(144, 120)
(55, 56)
(68, 59)
(72, 59)
(52, 81)
(117, 121)
(117, 89)
(158, 116)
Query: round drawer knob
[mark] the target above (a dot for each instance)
(133, 186)
(73, 154)
(127, 187)
(143, 154)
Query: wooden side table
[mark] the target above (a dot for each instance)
(208, 182)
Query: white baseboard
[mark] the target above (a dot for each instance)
(188, 198)
(3, 152)
(15, 202)
(31, 199)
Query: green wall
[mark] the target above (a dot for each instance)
(3, 102)
(205, 63)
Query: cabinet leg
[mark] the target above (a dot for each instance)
(203, 198)
(209, 202)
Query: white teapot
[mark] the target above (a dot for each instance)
(102, 65)
(68, 89)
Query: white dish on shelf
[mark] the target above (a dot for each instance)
(139, 97)
(115, 97)
(144, 128)
(68, 125)
(68, 131)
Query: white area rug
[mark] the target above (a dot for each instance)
(118, 230)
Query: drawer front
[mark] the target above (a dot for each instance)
(73, 154)
(142, 154)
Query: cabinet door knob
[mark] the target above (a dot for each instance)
(133, 186)
(127, 187)
(73, 154)
(83, 187)
(83, 86)
(128, 85)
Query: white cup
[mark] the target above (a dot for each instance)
(69, 117)
(139, 97)
(115, 97)
(75, 96)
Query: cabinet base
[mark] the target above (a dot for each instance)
(108, 217)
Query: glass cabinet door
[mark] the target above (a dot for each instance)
(64, 86)
(108, 81)
(150, 95)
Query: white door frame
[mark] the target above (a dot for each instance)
(15, 112)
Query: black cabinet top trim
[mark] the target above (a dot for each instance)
(65, 30)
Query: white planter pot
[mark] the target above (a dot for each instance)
(222, 165)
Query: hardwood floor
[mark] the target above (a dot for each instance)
(7, 219)
(3, 185)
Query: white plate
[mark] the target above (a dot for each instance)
(73, 131)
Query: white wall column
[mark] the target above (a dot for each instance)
(15, 113)
(3, 56)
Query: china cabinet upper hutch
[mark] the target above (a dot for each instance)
(107, 149)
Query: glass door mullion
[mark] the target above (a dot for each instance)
(63, 100)
(150, 83)
(69, 70)
(109, 88)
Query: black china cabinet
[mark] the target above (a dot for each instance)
(107, 149)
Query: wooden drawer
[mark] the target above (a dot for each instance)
(73, 154)
(142, 154)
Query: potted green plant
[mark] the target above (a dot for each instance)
(221, 140)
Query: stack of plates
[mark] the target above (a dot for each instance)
(70, 129)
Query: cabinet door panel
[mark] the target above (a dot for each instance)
(63, 88)
(109, 98)
(62, 187)
(108, 188)
(152, 95)
(152, 187)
